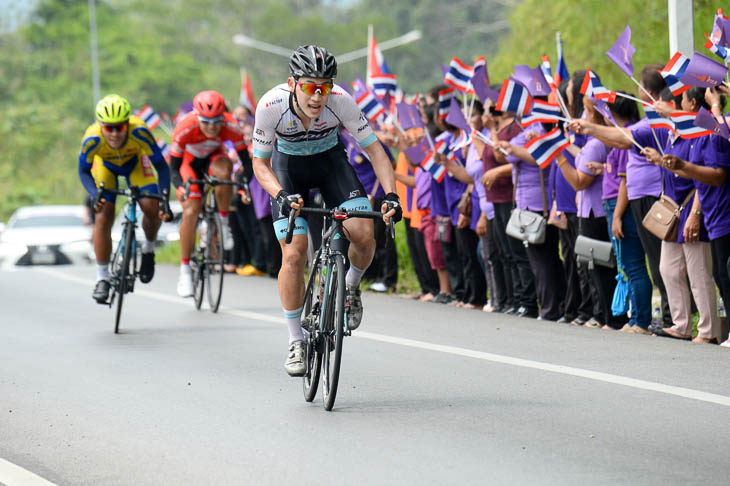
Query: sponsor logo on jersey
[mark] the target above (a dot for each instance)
(262, 142)
(274, 102)
(362, 128)
(354, 194)
(147, 167)
(320, 124)
(260, 132)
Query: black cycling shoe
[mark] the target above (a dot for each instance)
(101, 291)
(147, 268)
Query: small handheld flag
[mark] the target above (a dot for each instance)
(622, 51)
(674, 70)
(546, 147)
(514, 97)
(703, 71)
(373, 110)
(247, 98)
(148, 115)
(705, 119)
(445, 96)
(542, 112)
(656, 120)
(459, 75)
(684, 123)
(592, 87)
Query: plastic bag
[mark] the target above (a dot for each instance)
(620, 302)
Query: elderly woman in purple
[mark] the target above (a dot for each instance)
(531, 193)
(708, 164)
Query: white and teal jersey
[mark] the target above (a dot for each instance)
(277, 123)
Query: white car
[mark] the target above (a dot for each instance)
(46, 235)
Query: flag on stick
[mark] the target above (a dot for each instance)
(445, 96)
(459, 75)
(543, 112)
(703, 72)
(148, 115)
(592, 87)
(673, 71)
(247, 98)
(514, 97)
(547, 146)
(622, 51)
(656, 120)
(707, 120)
(684, 124)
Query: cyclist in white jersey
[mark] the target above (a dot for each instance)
(296, 148)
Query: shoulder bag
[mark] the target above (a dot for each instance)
(525, 225)
(662, 220)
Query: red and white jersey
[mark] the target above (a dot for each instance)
(188, 137)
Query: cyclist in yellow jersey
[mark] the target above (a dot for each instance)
(120, 144)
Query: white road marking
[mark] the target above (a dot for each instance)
(453, 350)
(12, 475)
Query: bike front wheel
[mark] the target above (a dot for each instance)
(214, 261)
(197, 264)
(123, 275)
(334, 330)
(310, 324)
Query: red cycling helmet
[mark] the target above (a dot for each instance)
(209, 104)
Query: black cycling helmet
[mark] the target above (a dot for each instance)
(313, 62)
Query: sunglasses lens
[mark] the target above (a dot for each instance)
(311, 88)
(210, 121)
(115, 128)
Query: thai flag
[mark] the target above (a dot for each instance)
(674, 70)
(445, 96)
(443, 145)
(656, 120)
(561, 72)
(546, 147)
(592, 87)
(547, 70)
(165, 148)
(542, 112)
(373, 110)
(148, 115)
(379, 77)
(514, 97)
(246, 97)
(459, 75)
(684, 124)
(438, 172)
(719, 51)
(463, 140)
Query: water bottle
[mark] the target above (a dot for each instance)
(203, 231)
(656, 317)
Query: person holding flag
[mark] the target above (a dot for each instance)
(643, 179)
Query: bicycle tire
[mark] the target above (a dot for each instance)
(310, 323)
(123, 275)
(334, 332)
(198, 269)
(214, 262)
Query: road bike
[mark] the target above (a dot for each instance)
(124, 265)
(324, 313)
(206, 260)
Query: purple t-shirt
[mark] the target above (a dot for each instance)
(614, 170)
(642, 178)
(453, 189)
(591, 198)
(364, 170)
(423, 189)
(528, 191)
(261, 199)
(675, 187)
(475, 168)
(713, 151)
(439, 205)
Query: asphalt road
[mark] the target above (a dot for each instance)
(429, 394)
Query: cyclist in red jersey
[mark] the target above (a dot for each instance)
(197, 149)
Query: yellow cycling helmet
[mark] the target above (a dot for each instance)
(113, 109)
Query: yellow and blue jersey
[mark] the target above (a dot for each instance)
(99, 162)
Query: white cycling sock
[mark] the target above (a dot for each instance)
(353, 276)
(148, 246)
(294, 323)
(102, 271)
(185, 269)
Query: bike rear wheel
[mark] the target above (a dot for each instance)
(310, 322)
(214, 262)
(123, 275)
(334, 331)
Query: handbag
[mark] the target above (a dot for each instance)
(525, 225)
(443, 229)
(620, 302)
(592, 251)
(662, 220)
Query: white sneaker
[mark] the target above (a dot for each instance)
(725, 344)
(185, 285)
(378, 287)
(227, 237)
(294, 364)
